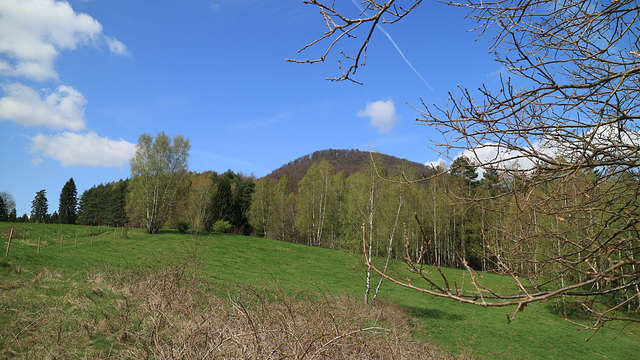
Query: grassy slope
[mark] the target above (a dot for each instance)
(536, 333)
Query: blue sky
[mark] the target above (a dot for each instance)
(81, 80)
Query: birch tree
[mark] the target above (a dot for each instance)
(158, 171)
(260, 208)
(313, 198)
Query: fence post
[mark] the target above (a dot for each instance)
(61, 242)
(39, 239)
(9, 243)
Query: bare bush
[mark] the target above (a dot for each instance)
(167, 312)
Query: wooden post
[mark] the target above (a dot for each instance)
(91, 239)
(76, 240)
(61, 242)
(39, 239)
(114, 233)
(24, 234)
(9, 243)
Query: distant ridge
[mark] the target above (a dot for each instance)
(349, 161)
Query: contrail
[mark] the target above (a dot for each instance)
(379, 27)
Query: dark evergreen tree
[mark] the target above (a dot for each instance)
(53, 218)
(104, 204)
(4, 215)
(462, 167)
(222, 201)
(118, 201)
(39, 207)
(240, 206)
(68, 208)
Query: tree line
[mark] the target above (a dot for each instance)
(67, 209)
(330, 209)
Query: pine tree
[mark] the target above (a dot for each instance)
(39, 207)
(68, 209)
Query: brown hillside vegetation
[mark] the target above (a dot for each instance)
(349, 161)
(168, 313)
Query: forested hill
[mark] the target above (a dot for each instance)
(349, 161)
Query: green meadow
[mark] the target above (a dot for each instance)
(32, 283)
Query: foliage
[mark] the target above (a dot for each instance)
(4, 214)
(68, 205)
(183, 227)
(158, 171)
(104, 204)
(8, 205)
(40, 207)
(313, 201)
(260, 206)
(199, 203)
(222, 226)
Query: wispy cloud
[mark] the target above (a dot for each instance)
(406, 60)
(263, 122)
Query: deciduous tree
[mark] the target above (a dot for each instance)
(313, 193)
(157, 172)
(198, 204)
(9, 204)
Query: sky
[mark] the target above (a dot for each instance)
(81, 80)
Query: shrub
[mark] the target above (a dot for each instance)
(222, 226)
(183, 227)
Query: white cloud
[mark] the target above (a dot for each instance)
(495, 156)
(33, 32)
(62, 109)
(83, 150)
(383, 115)
(440, 163)
(116, 46)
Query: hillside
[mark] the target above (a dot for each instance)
(136, 295)
(349, 161)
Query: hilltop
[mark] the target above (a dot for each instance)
(349, 161)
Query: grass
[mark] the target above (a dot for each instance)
(75, 277)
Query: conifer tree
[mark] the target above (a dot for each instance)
(68, 208)
(39, 207)
(3, 210)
